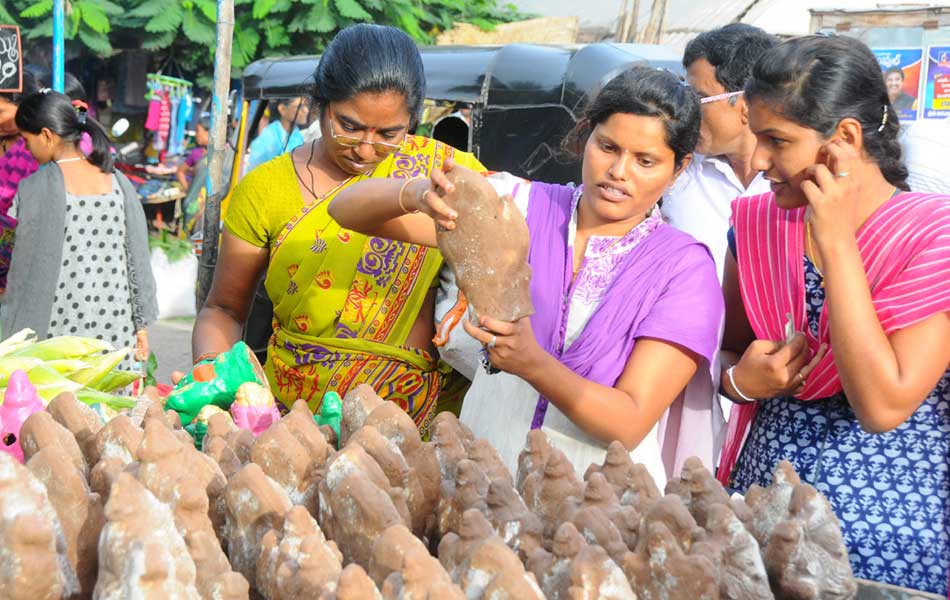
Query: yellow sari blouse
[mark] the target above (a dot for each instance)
(344, 303)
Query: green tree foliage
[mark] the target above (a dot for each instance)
(263, 28)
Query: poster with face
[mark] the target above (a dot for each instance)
(901, 68)
(11, 59)
(936, 99)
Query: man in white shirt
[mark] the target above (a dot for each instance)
(718, 64)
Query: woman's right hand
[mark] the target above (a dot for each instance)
(770, 369)
(427, 196)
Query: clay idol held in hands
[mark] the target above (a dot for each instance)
(487, 249)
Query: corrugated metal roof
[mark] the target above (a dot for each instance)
(678, 40)
(782, 17)
(690, 15)
(685, 19)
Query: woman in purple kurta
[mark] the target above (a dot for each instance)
(653, 282)
(628, 309)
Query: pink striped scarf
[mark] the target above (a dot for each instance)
(17, 164)
(905, 246)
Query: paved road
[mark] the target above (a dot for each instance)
(170, 340)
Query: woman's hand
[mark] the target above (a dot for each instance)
(426, 196)
(511, 347)
(833, 193)
(141, 345)
(770, 369)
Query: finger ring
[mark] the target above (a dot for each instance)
(491, 344)
(802, 377)
(843, 174)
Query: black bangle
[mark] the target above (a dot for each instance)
(207, 356)
(486, 364)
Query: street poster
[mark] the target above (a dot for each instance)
(11, 59)
(936, 98)
(901, 69)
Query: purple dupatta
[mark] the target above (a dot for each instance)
(665, 288)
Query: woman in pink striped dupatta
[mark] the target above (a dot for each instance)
(859, 398)
(16, 164)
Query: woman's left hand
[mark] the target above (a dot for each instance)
(511, 347)
(141, 345)
(833, 193)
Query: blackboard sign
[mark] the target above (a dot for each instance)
(11, 59)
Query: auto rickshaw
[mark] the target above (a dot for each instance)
(522, 98)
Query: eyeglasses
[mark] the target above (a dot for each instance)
(718, 97)
(381, 148)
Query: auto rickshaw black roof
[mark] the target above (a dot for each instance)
(517, 73)
(525, 97)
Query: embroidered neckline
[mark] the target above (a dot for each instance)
(604, 253)
(601, 246)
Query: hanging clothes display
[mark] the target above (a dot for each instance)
(170, 108)
(154, 109)
(164, 122)
(185, 110)
(174, 100)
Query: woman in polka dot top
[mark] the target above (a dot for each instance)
(80, 261)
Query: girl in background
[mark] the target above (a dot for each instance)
(81, 261)
(16, 164)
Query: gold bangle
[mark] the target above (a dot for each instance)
(403, 189)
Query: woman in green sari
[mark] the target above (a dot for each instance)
(348, 308)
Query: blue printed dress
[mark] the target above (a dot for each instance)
(891, 491)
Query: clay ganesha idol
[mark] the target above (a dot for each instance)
(488, 249)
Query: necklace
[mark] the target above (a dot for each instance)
(311, 189)
(606, 250)
(7, 143)
(66, 160)
(812, 255)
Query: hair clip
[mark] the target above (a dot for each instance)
(81, 110)
(883, 120)
(45, 91)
